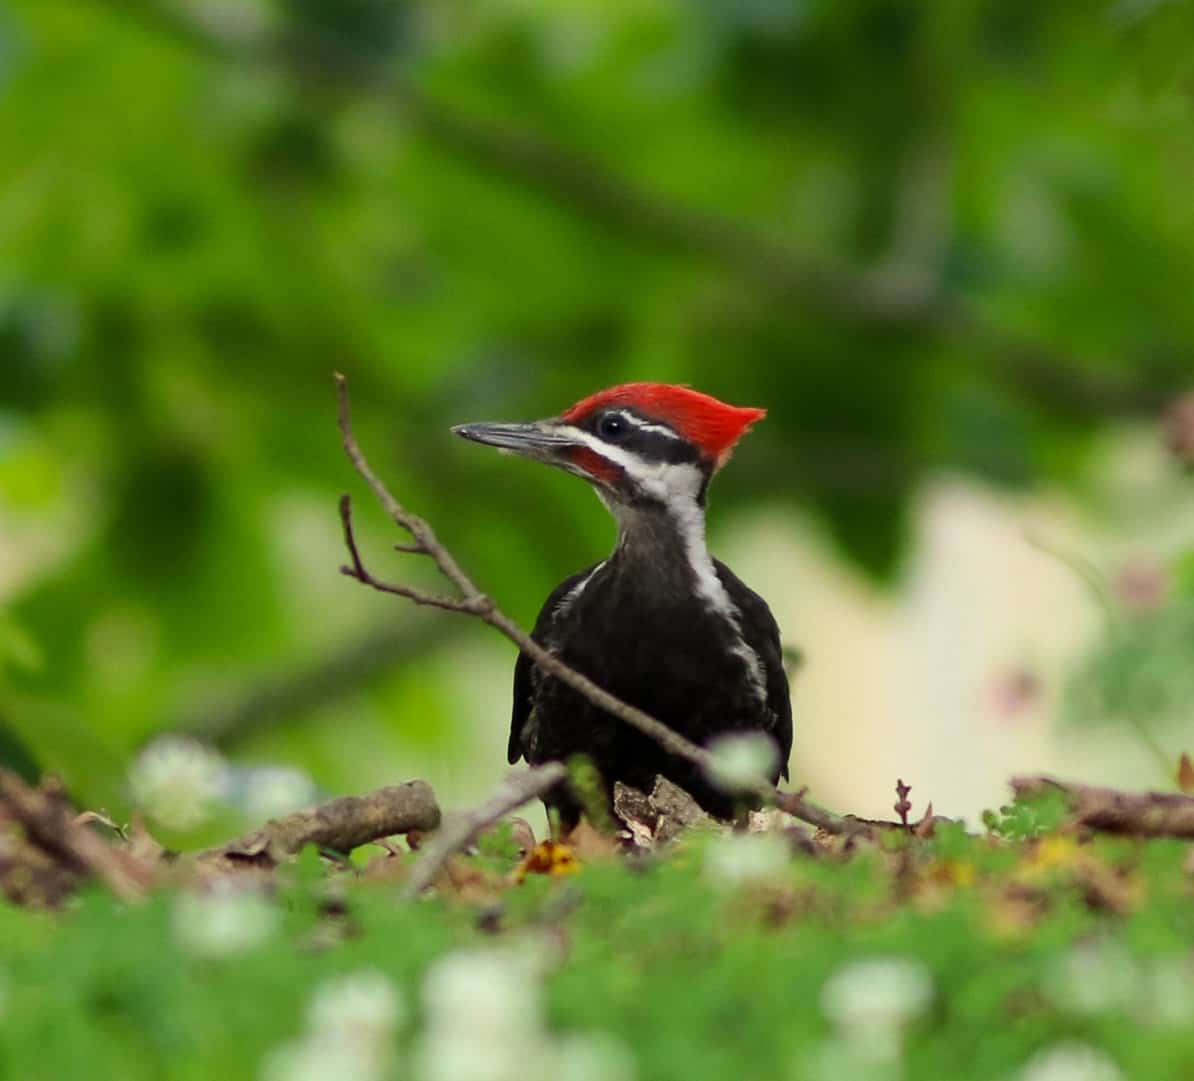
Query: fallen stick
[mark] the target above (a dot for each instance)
(1140, 814)
(340, 824)
(49, 822)
(460, 830)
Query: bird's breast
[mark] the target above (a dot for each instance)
(656, 650)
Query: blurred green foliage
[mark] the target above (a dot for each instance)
(1138, 673)
(699, 980)
(1141, 670)
(1026, 818)
(953, 233)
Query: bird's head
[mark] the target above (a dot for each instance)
(638, 443)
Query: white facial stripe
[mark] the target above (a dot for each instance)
(610, 453)
(664, 481)
(647, 426)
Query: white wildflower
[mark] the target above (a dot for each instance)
(351, 1022)
(315, 1060)
(737, 859)
(742, 760)
(445, 1055)
(274, 791)
(485, 1023)
(1093, 978)
(177, 781)
(871, 1001)
(484, 1018)
(482, 994)
(1167, 997)
(592, 1057)
(842, 1060)
(1070, 1061)
(363, 1008)
(222, 922)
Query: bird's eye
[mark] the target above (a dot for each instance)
(611, 426)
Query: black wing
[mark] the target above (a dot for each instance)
(761, 633)
(524, 686)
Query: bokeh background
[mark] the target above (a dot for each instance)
(949, 244)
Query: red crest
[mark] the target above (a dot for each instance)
(709, 424)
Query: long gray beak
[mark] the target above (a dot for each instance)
(537, 439)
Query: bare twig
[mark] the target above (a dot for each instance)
(1141, 814)
(357, 570)
(461, 830)
(472, 601)
(340, 825)
(902, 804)
(49, 822)
(797, 806)
(1185, 774)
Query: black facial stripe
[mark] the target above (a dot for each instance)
(639, 436)
(657, 447)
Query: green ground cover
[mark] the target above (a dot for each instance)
(983, 956)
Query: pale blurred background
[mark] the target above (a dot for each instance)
(949, 245)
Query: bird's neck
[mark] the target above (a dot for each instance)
(663, 563)
(664, 544)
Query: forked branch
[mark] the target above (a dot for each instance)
(356, 569)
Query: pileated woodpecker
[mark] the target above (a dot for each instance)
(659, 623)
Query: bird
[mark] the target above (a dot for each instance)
(659, 622)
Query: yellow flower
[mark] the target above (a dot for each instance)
(548, 858)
